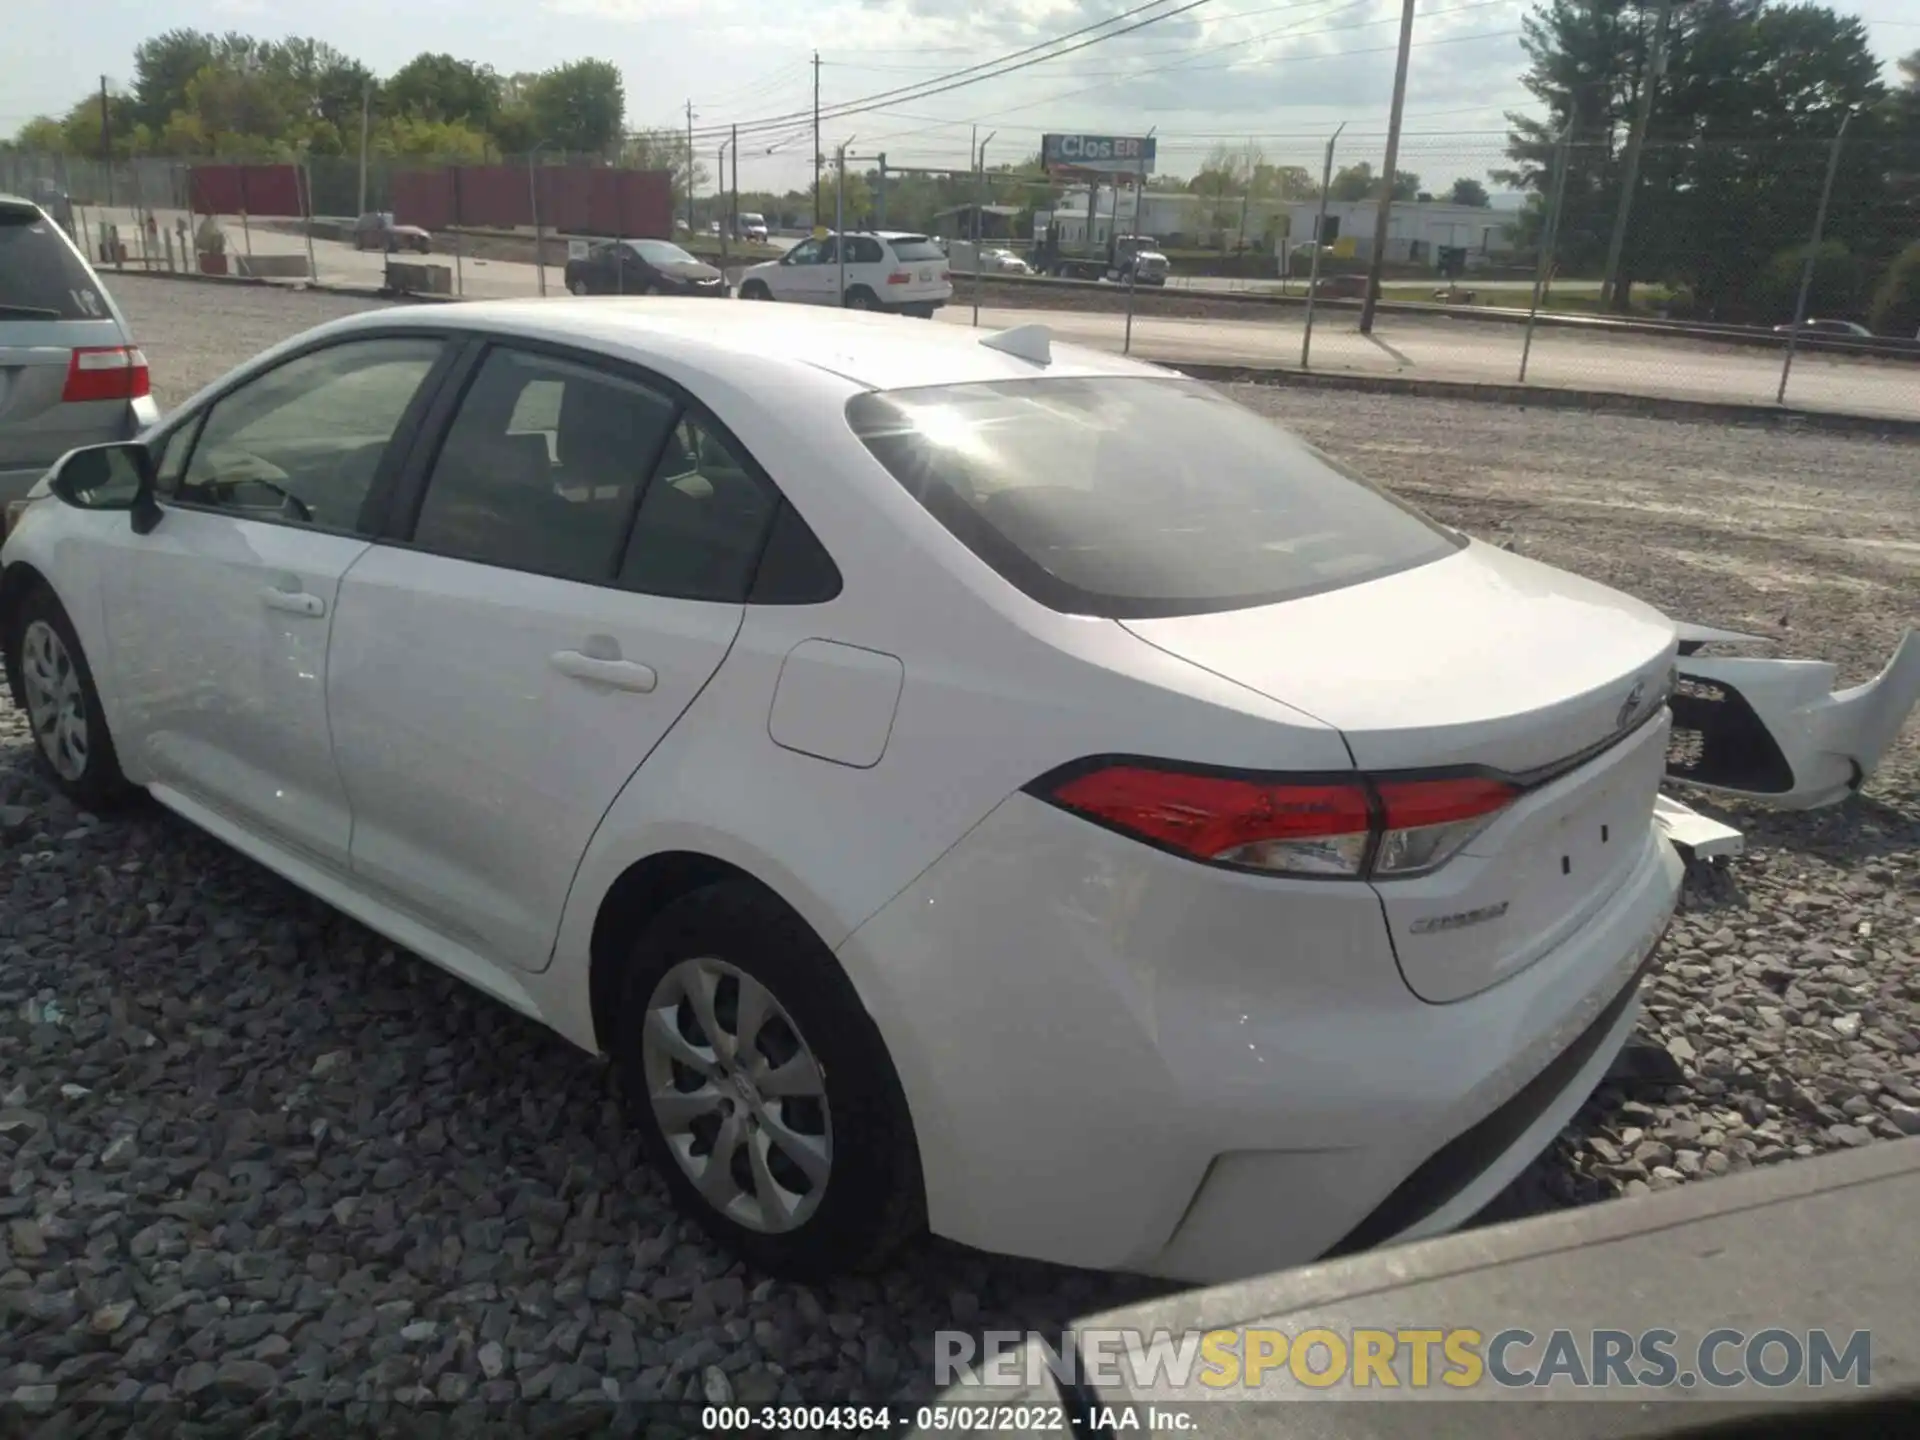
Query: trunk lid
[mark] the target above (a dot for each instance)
(1481, 659)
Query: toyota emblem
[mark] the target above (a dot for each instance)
(1631, 706)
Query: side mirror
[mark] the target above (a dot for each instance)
(109, 477)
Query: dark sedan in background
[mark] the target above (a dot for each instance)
(642, 267)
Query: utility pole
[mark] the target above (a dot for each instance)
(816, 140)
(1612, 293)
(366, 116)
(106, 138)
(690, 163)
(733, 208)
(1382, 221)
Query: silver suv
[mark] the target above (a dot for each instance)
(70, 374)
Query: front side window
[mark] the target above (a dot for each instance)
(807, 252)
(1131, 498)
(540, 467)
(302, 443)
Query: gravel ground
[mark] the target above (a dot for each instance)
(248, 1148)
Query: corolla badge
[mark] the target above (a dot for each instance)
(1630, 708)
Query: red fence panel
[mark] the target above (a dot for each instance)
(576, 199)
(252, 189)
(422, 197)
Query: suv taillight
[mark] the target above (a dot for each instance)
(1376, 827)
(899, 277)
(106, 372)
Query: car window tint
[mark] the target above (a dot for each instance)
(867, 251)
(1132, 498)
(916, 248)
(40, 276)
(539, 469)
(702, 521)
(829, 252)
(302, 443)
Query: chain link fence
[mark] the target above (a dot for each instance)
(1785, 272)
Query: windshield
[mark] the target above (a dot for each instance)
(661, 252)
(749, 218)
(1131, 498)
(40, 276)
(916, 247)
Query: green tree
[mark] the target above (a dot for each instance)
(1752, 96)
(327, 83)
(1469, 191)
(1358, 182)
(440, 87)
(405, 137)
(164, 66)
(83, 126)
(578, 107)
(42, 135)
(1835, 291)
(666, 150)
(1896, 304)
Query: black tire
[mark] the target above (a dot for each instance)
(99, 784)
(873, 1201)
(755, 290)
(859, 297)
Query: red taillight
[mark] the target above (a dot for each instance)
(109, 372)
(1313, 829)
(899, 277)
(1343, 828)
(1425, 822)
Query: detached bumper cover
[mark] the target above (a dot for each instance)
(1777, 730)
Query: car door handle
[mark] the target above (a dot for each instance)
(620, 674)
(294, 602)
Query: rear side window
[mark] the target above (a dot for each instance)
(865, 251)
(703, 520)
(40, 276)
(1132, 498)
(915, 247)
(541, 466)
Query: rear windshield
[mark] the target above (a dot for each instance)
(40, 276)
(915, 247)
(1132, 498)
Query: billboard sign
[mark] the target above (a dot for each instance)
(1111, 154)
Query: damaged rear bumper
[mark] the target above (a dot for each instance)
(1777, 730)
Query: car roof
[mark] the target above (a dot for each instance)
(875, 352)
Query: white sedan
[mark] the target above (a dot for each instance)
(963, 783)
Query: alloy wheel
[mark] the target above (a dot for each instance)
(738, 1095)
(56, 705)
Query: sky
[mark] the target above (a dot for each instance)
(1274, 76)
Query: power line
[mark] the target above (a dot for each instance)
(1161, 69)
(1006, 65)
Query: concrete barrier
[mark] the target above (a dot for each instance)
(409, 277)
(273, 267)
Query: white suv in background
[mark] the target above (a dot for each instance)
(882, 270)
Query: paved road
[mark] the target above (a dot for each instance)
(1431, 348)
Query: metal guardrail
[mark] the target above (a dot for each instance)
(1881, 347)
